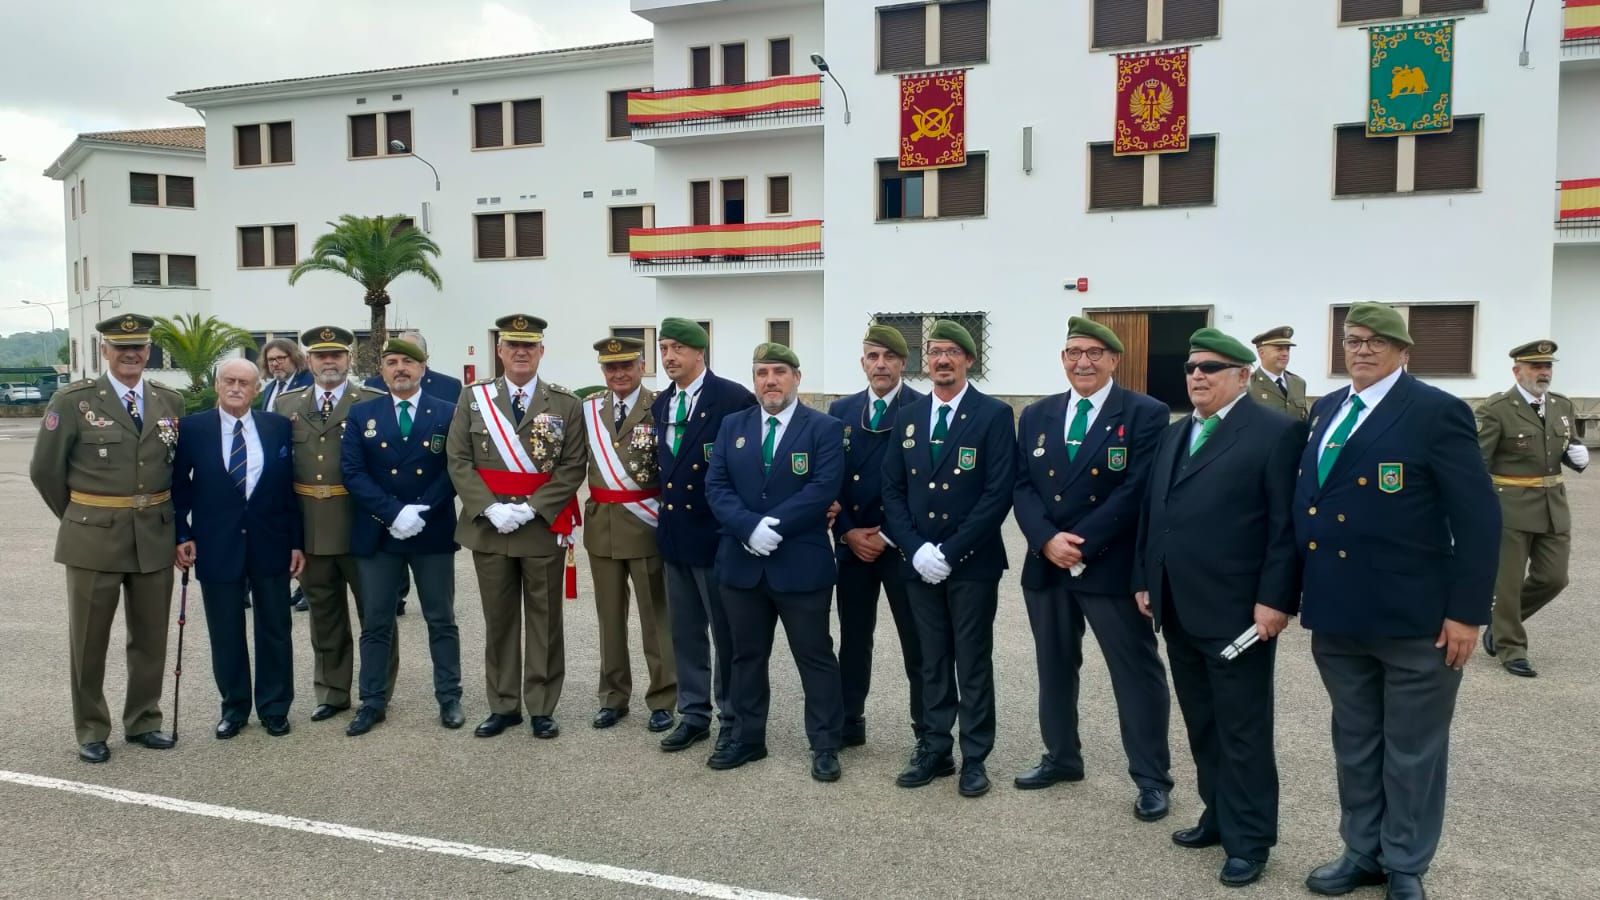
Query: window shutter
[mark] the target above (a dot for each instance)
(281, 137)
(1436, 7)
(180, 191)
(180, 271)
(283, 250)
(1444, 340)
(530, 234)
(252, 247)
(146, 268)
(492, 236)
(1115, 182)
(247, 145)
(623, 218)
(397, 126)
(1449, 162)
(781, 331)
(143, 188)
(1337, 335)
(733, 64)
(1119, 22)
(902, 38)
(964, 32)
(961, 189)
(1189, 20)
(778, 57)
(778, 195)
(700, 202)
(617, 115)
(487, 129)
(1363, 165)
(1190, 178)
(527, 125)
(1361, 10)
(700, 67)
(364, 135)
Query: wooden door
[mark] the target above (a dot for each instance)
(1134, 330)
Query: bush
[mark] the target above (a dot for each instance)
(195, 401)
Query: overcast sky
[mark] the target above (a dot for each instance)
(102, 65)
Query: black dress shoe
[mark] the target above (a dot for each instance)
(1488, 641)
(1152, 805)
(545, 728)
(608, 716)
(1521, 668)
(1238, 872)
(299, 600)
(854, 734)
(155, 740)
(366, 717)
(974, 780)
(825, 765)
(1197, 838)
(450, 714)
(1405, 887)
(724, 737)
(327, 711)
(400, 608)
(684, 736)
(94, 752)
(660, 720)
(1043, 775)
(736, 754)
(924, 768)
(1340, 877)
(227, 728)
(277, 726)
(496, 723)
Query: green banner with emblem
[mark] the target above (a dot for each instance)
(1410, 70)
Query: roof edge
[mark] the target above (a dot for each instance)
(81, 147)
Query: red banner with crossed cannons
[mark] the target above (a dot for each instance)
(933, 120)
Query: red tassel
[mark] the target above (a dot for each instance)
(572, 574)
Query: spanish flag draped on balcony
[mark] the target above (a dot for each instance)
(1580, 20)
(750, 99)
(752, 239)
(1580, 199)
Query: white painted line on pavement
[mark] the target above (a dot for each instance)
(539, 861)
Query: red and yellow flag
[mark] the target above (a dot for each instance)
(933, 120)
(1580, 20)
(1152, 103)
(1580, 199)
(749, 239)
(753, 98)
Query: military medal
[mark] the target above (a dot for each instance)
(102, 453)
(908, 443)
(473, 406)
(1038, 452)
(911, 430)
(372, 429)
(739, 444)
(83, 406)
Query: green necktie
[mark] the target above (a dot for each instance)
(878, 407)
(1079, 429)
(1207, 425)
(404, 416)
(1330, 450)
(767, 445)
(679, 423)
(940, 429)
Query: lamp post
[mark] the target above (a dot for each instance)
(52, 313)
(822, 66)
(398, 146)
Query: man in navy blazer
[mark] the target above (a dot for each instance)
(283, 366)
(1398, 528)
(1083, 460)
(946, 492)
(687, 416)
(393, 461)
(866, 561)
(238, 525)
(775, 470)
(435, 383)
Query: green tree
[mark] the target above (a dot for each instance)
(196, 345)
(372, 251)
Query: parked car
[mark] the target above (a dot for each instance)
(17, 392)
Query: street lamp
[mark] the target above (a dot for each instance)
(822, 66)
(52, 313)
(399, 146)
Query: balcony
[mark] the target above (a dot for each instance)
(775, 106)
(756, 248)
(1580, 33)
(1578, 211)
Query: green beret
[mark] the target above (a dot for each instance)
(1540, 351)
(1216, 342)
(685, 331)
(405, 348)
(1383, 321)
(1078, 326)
(946, 330)
(770, 352)
(888, 338)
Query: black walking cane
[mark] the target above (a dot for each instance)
(177, 671)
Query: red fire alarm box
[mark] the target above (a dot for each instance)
(469, 373)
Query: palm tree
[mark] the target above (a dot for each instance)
(373, 251)
(196, 345)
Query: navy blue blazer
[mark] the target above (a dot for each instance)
(683, 533)
(234, 538)
(1406, 531)
(435, 384)
(960, 504)
(270, 393)
(861, 493)
(385, 472)
(807, 469)
(1095, 495)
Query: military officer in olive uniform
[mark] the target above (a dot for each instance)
(1272, 384)
(1526, 436)
(318, 417)
(103, 464)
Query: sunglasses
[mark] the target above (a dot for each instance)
(1210, 367)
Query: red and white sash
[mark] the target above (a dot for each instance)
(503, 432)
(644, 504)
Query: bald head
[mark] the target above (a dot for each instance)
(236, 386)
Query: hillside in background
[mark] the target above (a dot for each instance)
(33, 348)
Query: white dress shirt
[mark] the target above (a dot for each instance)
(1536, 402)
(954, 403)
(631, 402)
(252, 448)
(1370, 397)
(511, 391)
(414, 400)
(693, 393)
(122, 393)
(1196, 419)
(1098, 399)
(783, 416)
(337, 392)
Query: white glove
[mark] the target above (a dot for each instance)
(500, 516)
(523, 513)
(408, 523)
(1578, 454)
(930, 564)
(764, 540)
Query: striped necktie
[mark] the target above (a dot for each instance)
(238, 460)
(132, 400)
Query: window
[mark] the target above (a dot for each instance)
(370, 134)
(778, 57)
(516, 235)
(270, 144)
(1441, 162)
(87, 284)
(83, 195)
(777, 195)
(266, 246)
(158, 357)
(733, 201)
(961, 191)
(780, 331)
(700, 67)
(163, 270)
(733, 63)
(146, 189)
(617, 113)
(706, 324)
(147, 268)
(1448, 162)
(1446, 336)
(1120, 23)
(699, 203)
(963, 32)
(1366, 10)
(902, 38)
(179, 190)
(72, 201)
(624, 218)
(1176, 179)
(961, 28)
(77, 286)
(915, 327)
(1115, 182)
(406, 223)
(646, 333)
(74, 352)
(509, 123)
(1189, 179)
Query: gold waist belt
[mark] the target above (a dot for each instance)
(1526, 481)
(320, 491)
(137, 501)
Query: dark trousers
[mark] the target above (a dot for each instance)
(1393, 700)
(436, 593)
(230, 653)
(1138, 679)
(752, 619)
(955, 626)
(695, 604)
(329, 582)
(857, 592)
(1227, 708)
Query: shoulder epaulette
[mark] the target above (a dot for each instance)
(303, 387)
(161, 387)
(76, 386)
(481, 381)
(1492, 399)
(560, 390)
(376, 392)
(1558, 396)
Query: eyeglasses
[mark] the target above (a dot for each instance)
(277, 357)
(1375, 344)
(944, 352)
(1095, 354)
(1210, 367)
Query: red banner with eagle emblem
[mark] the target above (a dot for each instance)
(1152, 103)
(933, 120)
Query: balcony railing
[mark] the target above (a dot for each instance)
(1580, 27)
(1578, 209)
(754, 245)
(774, 99)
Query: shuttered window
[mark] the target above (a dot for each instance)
(1189, 20)
(527, 122)
(733, 64)
(699, 203)
(397, 127)
(777, 195)
(181, 271)
(487, 127)
(252, 247)
(281, 142)
(491, 236)
(144, 189)
(1118, 23)
(522, 121)
(622, 219)
(1449, 162)
(180, 191)
(1363, 10)
(530, 234)
(617, 115)
(964, 32)
(364, 135)
(733, 201)
(1190, 178)
(780, 331)
(961, 190)
(283, 245)
(247, 145)
(147, 268)
(1445, 340)
(1363, 165)
(700, 67)
(1115, 182)
(902, 38)
(778, 57)
(1437, 7)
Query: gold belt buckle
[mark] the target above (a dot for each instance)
(141, 501)
(324, 492)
